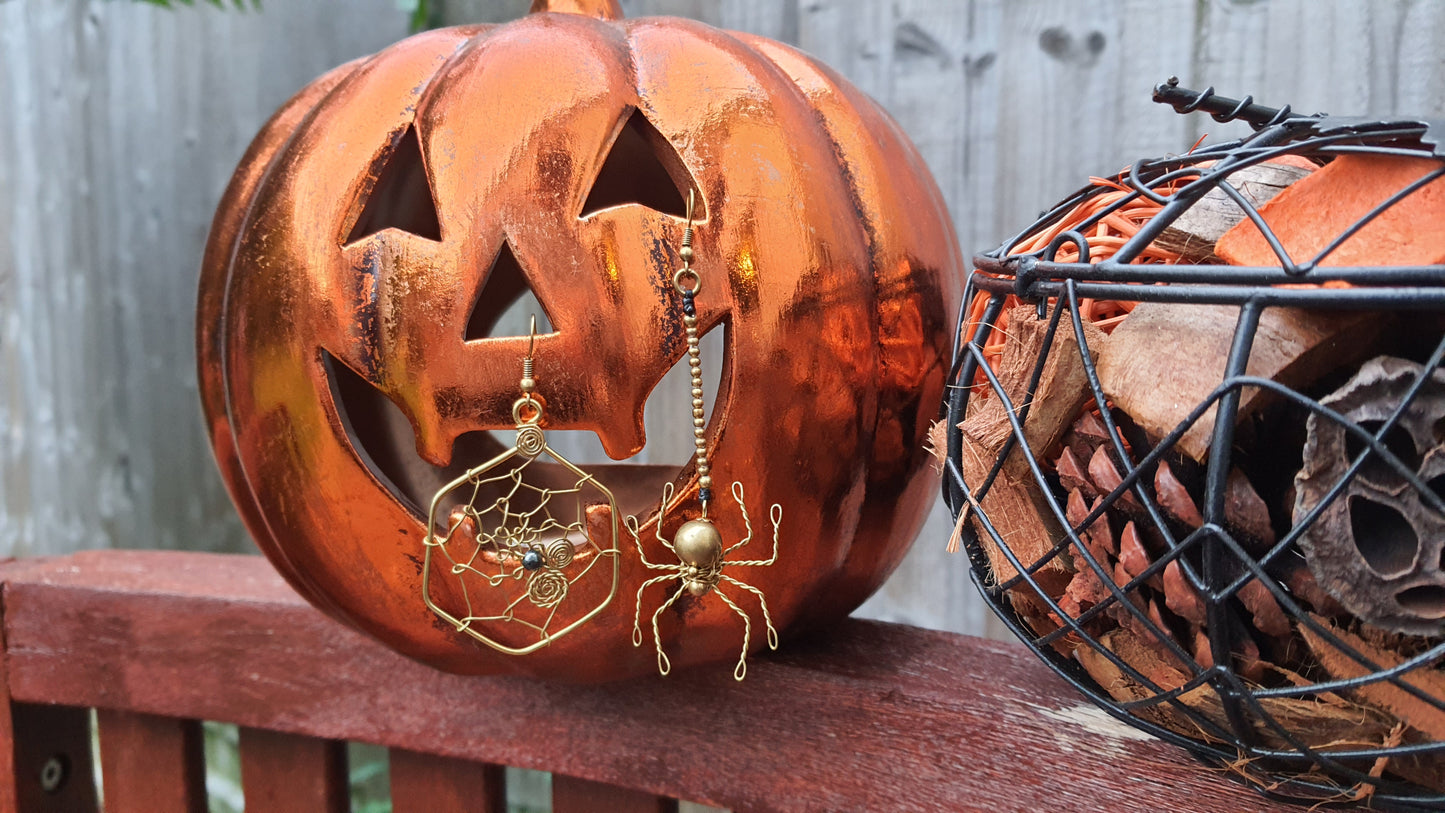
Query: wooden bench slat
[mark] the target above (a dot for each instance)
(288, 773)
(573, 795)
(870, 716)
(53, 743)
(426, 783)
(151, 763)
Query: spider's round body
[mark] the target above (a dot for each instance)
(699, 546)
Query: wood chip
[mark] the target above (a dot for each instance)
(1384, 695)
(1326, 726)
(1017, 509)
(1165, 359)
(1061, 392)
(1194, 234)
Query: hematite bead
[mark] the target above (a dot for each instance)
(532, 559)
(687, 306)
(704, 494)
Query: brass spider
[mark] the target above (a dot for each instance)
(701, 559)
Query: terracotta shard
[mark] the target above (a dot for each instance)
(1174, 498)
(1245, 511)
(1181, 597)
(1309, 215)
(1268, 617)
(1072, 475)
(1106, 478)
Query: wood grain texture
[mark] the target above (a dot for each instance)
(872, 716)
(151, 764)
(124, 122)
(426, 783)
(572, 795)
(283, 772)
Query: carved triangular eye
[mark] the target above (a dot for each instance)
(505, 302)
(641, 168)
(402, 196)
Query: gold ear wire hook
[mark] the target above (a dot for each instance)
(685, 254)
(529, 382)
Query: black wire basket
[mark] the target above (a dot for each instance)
(1196, 449)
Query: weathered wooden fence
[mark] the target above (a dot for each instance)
(121, 122)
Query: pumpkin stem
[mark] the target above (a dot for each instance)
(601, 9)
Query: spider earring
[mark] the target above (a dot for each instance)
(522, 537)
(698, 544)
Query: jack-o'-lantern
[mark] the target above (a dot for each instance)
(389, 212)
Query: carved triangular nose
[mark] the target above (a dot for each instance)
(505, 302)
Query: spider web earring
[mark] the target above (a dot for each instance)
(698, 544)
(521, 538)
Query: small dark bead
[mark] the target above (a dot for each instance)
(704, 494)
(532, 559)
(687, 305)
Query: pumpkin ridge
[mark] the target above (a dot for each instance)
(217, 264)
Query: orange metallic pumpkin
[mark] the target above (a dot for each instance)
(345, 368)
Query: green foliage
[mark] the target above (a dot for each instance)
(421, 16)
(420, 13)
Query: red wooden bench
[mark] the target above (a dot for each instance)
(870, 716)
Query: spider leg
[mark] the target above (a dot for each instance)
(776, 515)
(741, 671)
(663, 664)
(637, 613)
(747, 523)
(661, 509)
(767, 617)
(634, 531)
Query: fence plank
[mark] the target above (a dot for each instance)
(426, 783)
(151, 763)
(289, 773)
(862, 718)
(573, 795)
(124, 122)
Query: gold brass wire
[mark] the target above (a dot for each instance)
(529, 549)
(699, 570)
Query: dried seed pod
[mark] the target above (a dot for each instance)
(1378, 546)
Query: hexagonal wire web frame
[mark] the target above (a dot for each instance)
(509, 537)
(1038, 278)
